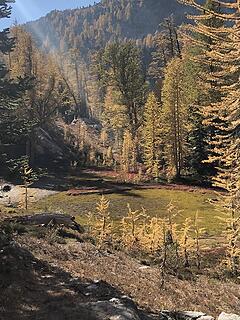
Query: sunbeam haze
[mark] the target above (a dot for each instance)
(28, 10)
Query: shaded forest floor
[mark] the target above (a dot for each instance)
(97, 180)
(102, 180)
(43, 280)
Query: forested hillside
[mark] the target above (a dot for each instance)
(109, 20)
(120, 85)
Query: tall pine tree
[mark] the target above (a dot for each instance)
(13, 125)
(152, 136)
(224, 53)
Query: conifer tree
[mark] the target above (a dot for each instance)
(128, 156)
(152, 136)
(153, 238)
(198, 36)
(166, 46)
(12, 125)
(174, 116)
(47, 93)
(198, 232)
(180, 95)
(120, 67)
(224, 53)
(186, 241)
(103, 224)
(131, 226)
(22, 59)
(114, 117)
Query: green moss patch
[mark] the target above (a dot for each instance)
(153, 200)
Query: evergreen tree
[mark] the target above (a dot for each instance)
(224, 52)
(193, 91)
(180, 95)
(202, 36)
(114, 117)
(128, 156)
(152, 136)
(121, 68)
(13, 125)
(175, 115)
(166, 46)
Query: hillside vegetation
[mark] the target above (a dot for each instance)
(93, 27)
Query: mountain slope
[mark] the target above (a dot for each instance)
(91, 28)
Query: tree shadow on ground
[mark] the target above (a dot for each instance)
(82, 179)
(85, 181)
(33, 289)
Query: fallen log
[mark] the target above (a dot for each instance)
(47, 219)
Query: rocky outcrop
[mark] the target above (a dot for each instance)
(45, 219)
(123, 308)
(114, 309)
(27, 281)
(118, 309)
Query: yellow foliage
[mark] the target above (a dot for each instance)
(132, 227)
(103, 224)
(153, 240)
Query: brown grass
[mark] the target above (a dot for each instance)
(210, 295)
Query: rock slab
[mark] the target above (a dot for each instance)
(228, 316)
(112, 310)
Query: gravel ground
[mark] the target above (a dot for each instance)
(16, 194)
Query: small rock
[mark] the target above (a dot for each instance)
(115, 301)
(92, 287)
(228, 316)
(206, 318)
(193, 314)
(47, 276)
(96, 281)
(6, 188)
(144, 268)
(75, 280)
(184, 315)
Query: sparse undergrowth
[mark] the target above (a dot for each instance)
(132, 278)
(173, 240)
(163, 262)
(59, 265)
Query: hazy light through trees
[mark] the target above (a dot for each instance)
(28, 10)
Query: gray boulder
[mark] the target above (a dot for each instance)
(114, 309)
(182, 315)
(228, 316)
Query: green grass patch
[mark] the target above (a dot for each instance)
(154, 201)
